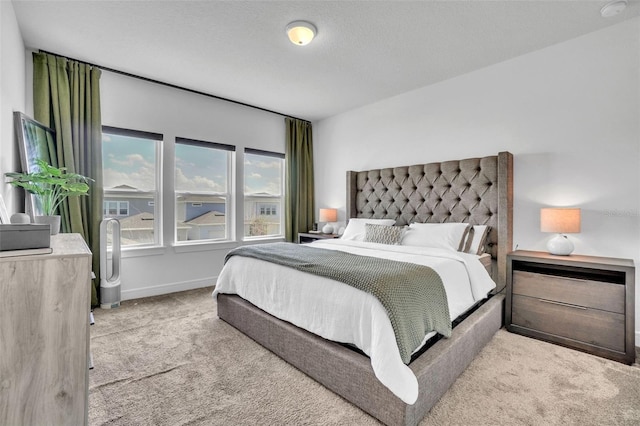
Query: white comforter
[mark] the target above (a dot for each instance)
(341, 313)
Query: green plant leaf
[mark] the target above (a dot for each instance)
(50, 184)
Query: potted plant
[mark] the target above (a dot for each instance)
(51, 186)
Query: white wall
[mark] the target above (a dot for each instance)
(132, 103)
(135, 104)
(569, 113)
(12, 98)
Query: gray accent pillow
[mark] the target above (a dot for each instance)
(383, 234)
(355, 228)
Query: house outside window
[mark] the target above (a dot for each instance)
(202, 191)
(267, 209)
(115, 208)
(132, 176)
(263, 193)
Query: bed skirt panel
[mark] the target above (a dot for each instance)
(439, 367)
(349, 373)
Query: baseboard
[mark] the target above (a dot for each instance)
(158, 290)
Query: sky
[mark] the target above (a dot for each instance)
(131, 161)
(262, 174)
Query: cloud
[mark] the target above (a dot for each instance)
(273, 164)
(182, 163)
(132, 160)
(196, 183)
(143, 178)
(271, 188)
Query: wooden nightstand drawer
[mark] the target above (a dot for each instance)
(308, 237)
(582, 302)
(587, 293)
(591, 326)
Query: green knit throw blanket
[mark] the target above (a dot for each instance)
(413, 295)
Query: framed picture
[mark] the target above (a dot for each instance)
(4, 214)
(35, 140)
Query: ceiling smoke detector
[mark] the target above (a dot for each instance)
(612, 9)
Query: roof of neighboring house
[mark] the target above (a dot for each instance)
(125, 187)
(200, 198)
(142, 220)
(126, 192)
(261, 195)
(209, 218)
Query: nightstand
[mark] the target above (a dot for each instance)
(307, 237)
(582, 302)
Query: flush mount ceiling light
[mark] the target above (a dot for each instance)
(613, 8)
(301, 32)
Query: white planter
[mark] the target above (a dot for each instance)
(53, 221)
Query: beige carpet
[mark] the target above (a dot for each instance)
(169, 360)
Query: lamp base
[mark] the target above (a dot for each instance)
(327, 229)
(560, 245)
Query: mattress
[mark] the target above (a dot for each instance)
(341, 313)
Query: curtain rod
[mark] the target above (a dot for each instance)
(174, 86)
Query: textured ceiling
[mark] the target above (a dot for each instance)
(364, 51)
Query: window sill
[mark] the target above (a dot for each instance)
(267, 239)
(204, 246)
(142, 251)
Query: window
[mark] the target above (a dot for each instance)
(263, 193)
(267, 209)
(202, 182)
(116, 208)
(131, 179)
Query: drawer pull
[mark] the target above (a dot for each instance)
(568, 305)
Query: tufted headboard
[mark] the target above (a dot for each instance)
(478, 191)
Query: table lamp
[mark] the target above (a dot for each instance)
(328, 215)
(562, 221)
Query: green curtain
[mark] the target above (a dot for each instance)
(66, 97)
(299, 196)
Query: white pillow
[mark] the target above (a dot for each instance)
(355, 230)
(477, 239)
(450, 236)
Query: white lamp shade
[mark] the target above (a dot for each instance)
(301, 32)
(560, 220)
(328, 215)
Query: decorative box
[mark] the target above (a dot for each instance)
(24, 236)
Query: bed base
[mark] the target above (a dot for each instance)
(350, 375)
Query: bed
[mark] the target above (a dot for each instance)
(477, 191)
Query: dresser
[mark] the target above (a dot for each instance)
(582, 302)
(44, 335)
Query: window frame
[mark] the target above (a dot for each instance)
(158, 139)
(279, 156)
(230, 210)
